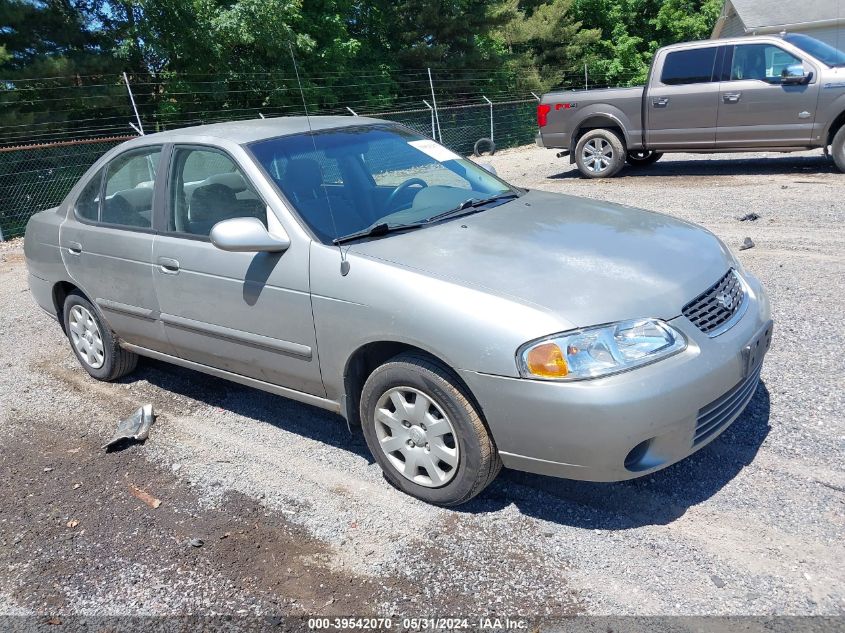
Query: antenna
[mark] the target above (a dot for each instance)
(344, 264)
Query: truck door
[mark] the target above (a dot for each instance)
(682, 100)
(756, 109)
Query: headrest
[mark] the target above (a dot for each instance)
(211, 202)
(231, 179)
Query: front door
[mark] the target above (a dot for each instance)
(106, 242)
(682, 103)
(246, 313)
(756, 109)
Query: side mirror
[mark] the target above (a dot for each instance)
(795, 75)
(488, 167)
(246, 235)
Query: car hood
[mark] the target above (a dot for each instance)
(589, 262)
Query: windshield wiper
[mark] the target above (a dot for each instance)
(470, 205)
(376, 230)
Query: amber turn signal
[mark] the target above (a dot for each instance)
(546, 360)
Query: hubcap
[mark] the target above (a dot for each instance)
(416, 436)
(86, 338)
(597, 155)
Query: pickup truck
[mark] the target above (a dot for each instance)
(764, 93)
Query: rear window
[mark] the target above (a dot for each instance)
(694, 66)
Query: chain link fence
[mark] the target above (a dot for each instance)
(52, 130)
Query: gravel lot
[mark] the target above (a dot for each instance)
(295, 517)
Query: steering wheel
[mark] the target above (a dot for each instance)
(391, 199)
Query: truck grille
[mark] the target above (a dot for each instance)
(719, 307)
(717, 415)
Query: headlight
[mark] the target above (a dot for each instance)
(598, 351)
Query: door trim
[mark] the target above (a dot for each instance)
(239, 336)
(125, 308)
(299, 396)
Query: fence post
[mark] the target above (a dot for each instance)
(1, 234)
(491, 117)
(586, 78)
(433, 134)
(434, 101)
(140, 127)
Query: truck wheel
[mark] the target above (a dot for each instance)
(425, 433)
(642, 159)
(600, 154)
(837, 149)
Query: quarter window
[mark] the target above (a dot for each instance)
(130, 182)
(88, 202)
(693, 66)
(207, 187)
(761, 61)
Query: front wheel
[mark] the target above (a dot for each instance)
(837, 149)
(642, 158)
(600, 154)
(425, 433)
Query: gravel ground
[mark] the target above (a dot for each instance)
(295, 517)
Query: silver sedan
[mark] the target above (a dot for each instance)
(461, 322)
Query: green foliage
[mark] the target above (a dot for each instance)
(188, 54)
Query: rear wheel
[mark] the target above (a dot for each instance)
(600, 154)
(93, 342)
(642, 158)
(837, 149)
(425, 433)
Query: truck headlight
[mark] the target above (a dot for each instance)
(598, 351)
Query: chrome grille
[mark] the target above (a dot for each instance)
(719, 307)
(717, 415)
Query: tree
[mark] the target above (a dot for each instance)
(548, 39)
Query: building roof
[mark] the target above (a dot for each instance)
(766, 14)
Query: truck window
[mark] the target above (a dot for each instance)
(693, 66)
(761, 61)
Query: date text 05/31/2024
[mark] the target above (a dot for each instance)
(418, 624)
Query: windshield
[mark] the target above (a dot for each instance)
(362, 176)
(823, 52)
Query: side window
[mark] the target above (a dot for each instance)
(693, 66)
(207, 187)
(765, 62)
(130, 181)
(88, 203)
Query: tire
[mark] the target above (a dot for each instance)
(455, 432)
(837, 149)
(93, 342)
(600, 154)
(642, 159)
(482, 144)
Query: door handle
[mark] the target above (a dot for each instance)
(168, 265)
(660, 102)
(731, 97)
(74, 248)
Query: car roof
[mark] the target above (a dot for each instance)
(243, 132)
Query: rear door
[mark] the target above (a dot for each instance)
(682, 100)
(246, 313)
(107, 240)
(756, 109)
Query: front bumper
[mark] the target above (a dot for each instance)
(648, 416)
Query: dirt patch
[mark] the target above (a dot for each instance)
(74, 512)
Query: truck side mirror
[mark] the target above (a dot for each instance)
(795, 75)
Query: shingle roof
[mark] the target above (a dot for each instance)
(762, 13)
